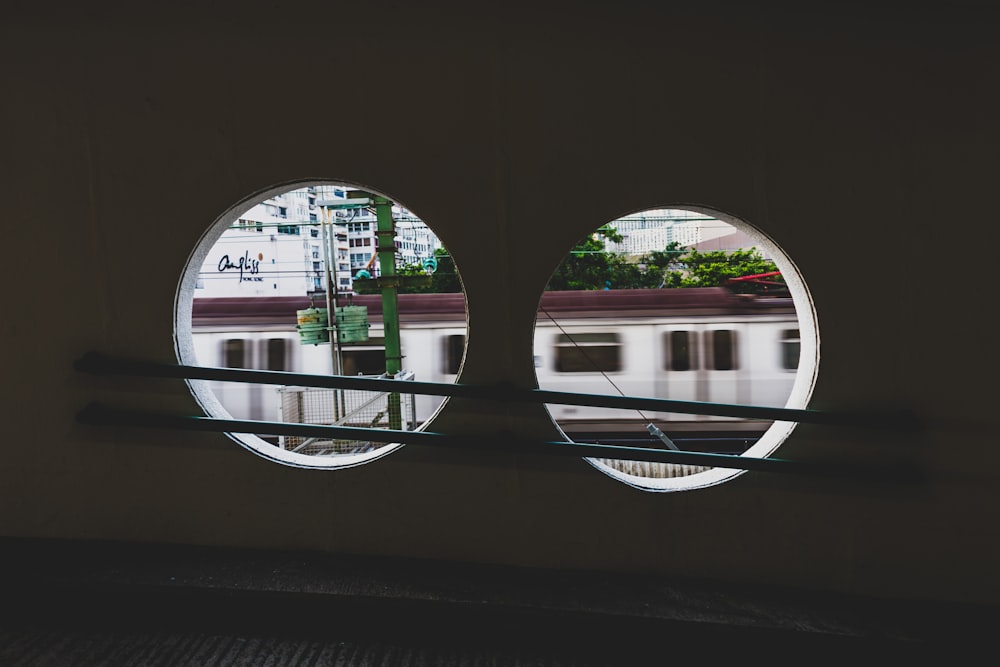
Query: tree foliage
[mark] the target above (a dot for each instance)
(717, 267)
(590, 266)
(445, 276)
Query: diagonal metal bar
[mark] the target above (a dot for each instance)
(100, 364)
(102, 415)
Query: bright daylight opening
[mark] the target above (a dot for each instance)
(323, 279)
(676, 303)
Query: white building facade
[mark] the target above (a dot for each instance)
(280, 247)
(655, 229)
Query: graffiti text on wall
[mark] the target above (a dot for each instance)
(246, 265)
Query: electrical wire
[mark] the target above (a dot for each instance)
(586, 356)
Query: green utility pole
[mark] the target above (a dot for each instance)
(388, 282)
(385, 231)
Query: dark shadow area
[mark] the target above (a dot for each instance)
(113, 603)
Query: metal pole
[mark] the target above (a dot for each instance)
(330, 309)
(334, 290)
(386, 239)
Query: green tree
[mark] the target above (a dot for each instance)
(716, 268)
(661, 268)
(445, 277)
(590, 266)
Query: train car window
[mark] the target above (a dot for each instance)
(791, 346)
(588, 353)
(722, 343)
(234, 352)
(681, 351)
(364, 360)
(277, 354)
(454, 350)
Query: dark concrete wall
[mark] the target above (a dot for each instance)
(862, 139)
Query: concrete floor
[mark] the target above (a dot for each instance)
(81, 603)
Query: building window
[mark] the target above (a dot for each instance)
(251, 225)
(588, 353)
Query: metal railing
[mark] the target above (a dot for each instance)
(343, 407)
(100, 364)
(98, 414)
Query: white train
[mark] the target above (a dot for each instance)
(688, 344)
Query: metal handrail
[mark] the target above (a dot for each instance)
(103, 415)
(100, 364)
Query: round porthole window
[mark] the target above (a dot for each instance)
(677, 303)
(294, 280)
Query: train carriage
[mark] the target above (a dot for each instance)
(700, 344)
